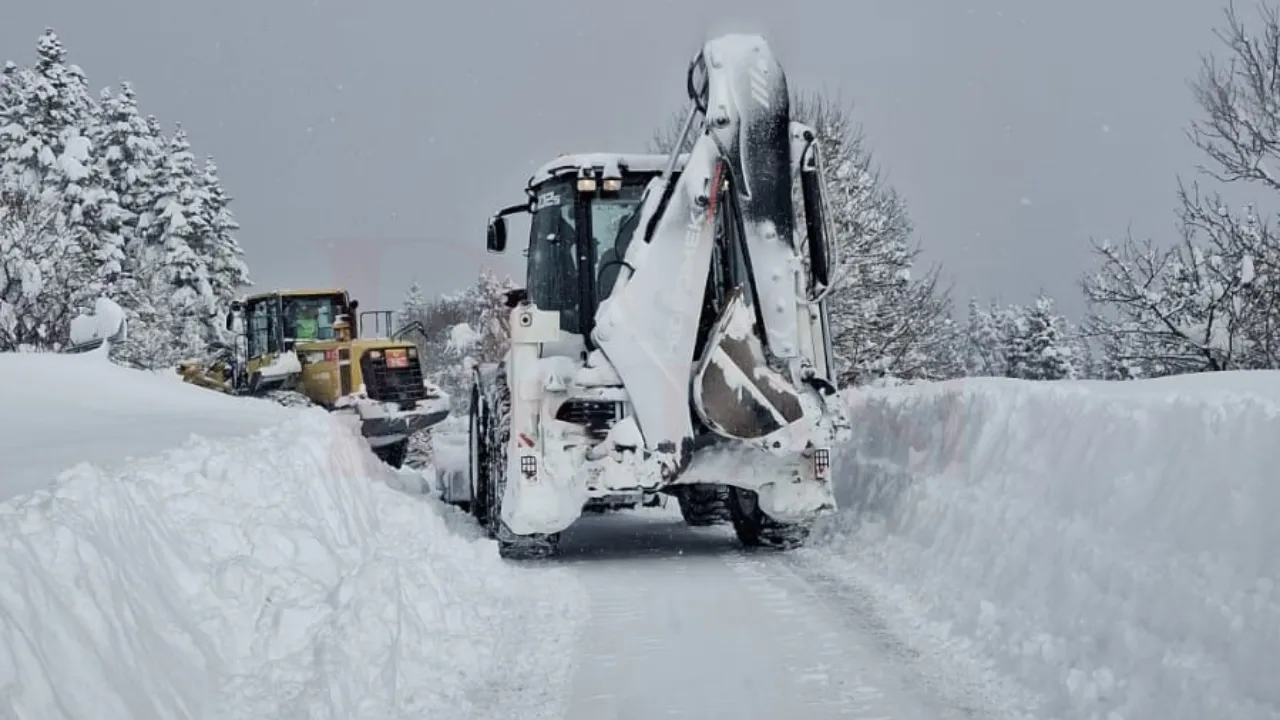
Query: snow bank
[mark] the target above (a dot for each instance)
(268, 576)
(60, 410)
(107, 322)
(1112, 546)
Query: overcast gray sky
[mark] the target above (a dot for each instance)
(1015, 129)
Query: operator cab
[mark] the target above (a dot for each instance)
(276, 321)
(585, 211)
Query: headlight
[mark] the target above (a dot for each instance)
(612, 184)
(375, 354)
(586, 184)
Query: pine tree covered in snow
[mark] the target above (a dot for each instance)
(35, 245)
(986, 341)
(222, 253)
(415, 306)
(54, 208)
(134, 217)
(1032, 342)
(1039, 344)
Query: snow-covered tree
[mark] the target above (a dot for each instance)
(456, 329)
(1040, 344)
(35, 249)
(134, 219)
(414, 307)
(222, 253)
(1211, 301)
(1170, 311)
(46, 154)
(1032, 342)
(175, 239)
(887, 321)
(471, 324)
(986, 340)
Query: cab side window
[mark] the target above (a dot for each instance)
(263, 323)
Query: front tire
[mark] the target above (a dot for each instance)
(393, 454)
(478, 460)
(497, 438)
(756, 529)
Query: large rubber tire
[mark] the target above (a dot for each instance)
(755, 529)
(394, 453)
(497, 438)
(288, 398)
(704, 505)
(478, 459)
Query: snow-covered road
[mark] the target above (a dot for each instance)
(685, 623)
(1004, 549)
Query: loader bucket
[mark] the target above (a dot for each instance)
(734, 391)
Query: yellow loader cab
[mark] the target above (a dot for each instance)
(305, 342)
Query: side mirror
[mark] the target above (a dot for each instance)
(516, 296)
(354, 305)
(231, 321)
(496, 239)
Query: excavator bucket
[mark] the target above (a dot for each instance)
(734, 391)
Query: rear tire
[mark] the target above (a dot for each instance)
(497, 438)
(394, 453)
(704, 505)
(756, 529)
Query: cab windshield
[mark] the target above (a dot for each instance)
(614, 218)
(554, 275)
(312, 317)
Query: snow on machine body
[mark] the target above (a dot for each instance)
(672, 334)
(378, 379)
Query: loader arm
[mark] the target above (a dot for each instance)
(742, 380)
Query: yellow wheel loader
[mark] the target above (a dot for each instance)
(300, 347)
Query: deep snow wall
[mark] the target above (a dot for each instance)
(1113, 546)
(273, 576)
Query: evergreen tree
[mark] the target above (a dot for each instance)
(222, 252)
(986, 352)
(414, 307)
(1039, 344)
(46, 165)
(94, 201)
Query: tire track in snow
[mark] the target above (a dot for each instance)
(683, 623)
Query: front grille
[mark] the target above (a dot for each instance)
(597, 416)
(402, 385)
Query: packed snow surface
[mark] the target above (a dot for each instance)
(267, 574)
(1110, 546)
(61, 410)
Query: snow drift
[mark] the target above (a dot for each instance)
(273, 575)
(1112, 546)
(60, 410)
